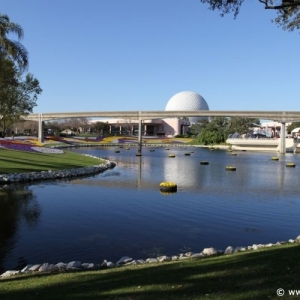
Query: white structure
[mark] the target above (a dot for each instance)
(187, 101)
(276, 139)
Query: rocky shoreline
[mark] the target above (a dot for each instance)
(127, 261)
(60, 174)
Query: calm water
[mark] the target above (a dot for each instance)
(122, 212)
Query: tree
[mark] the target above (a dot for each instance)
(288, 11)
(18, 95)
(215, 131)
(12, 49)
(195, 129)
(241, 125)
(100, 127)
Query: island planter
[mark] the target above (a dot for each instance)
(231, 168)
(291, 165)
(168, 187)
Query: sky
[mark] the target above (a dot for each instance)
(124, 55)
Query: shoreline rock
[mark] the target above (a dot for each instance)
(126, 260)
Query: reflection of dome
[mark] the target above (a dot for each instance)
(187, 101)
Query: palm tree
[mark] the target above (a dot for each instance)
(9, 48)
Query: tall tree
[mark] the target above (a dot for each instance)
(288, 11)
(195, 129)
(215, 131)
(10, 48)
(18, 95)
(242, 125)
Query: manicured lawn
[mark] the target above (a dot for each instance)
(12, 161)
(248, 275)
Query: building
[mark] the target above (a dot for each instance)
(170, 127)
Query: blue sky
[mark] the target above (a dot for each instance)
(106, 55)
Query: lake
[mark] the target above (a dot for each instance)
(122, 211)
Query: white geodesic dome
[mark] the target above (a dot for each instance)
(187, 101)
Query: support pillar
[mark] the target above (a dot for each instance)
(140, 138)
(41, 129)
(282, 147)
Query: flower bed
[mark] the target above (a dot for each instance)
(26, 146)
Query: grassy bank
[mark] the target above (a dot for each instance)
(248, 275)
(22, 162)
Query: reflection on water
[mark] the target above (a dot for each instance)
(18, 207)
(122, 211)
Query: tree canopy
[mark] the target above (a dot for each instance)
(217, 129)
(18, 95)
(288, 11)
(10, 49)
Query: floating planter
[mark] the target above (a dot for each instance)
(275, 158)
(230, 168)
(187, 154)
(171, 155)
(204, 162)
(291, 165)
(168, 186)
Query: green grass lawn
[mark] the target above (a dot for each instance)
(12, 161)
(248, 275)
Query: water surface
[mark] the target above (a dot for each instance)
(122, 212)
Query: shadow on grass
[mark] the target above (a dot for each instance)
(252, 275)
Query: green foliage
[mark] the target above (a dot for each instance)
(241, 125)
(9, 49)
(195, 129)
(288, 11)
(99, 127)
(18, 95)
(217, 129)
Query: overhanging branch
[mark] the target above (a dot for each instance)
(284, 4)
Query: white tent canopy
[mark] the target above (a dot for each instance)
(296, 130)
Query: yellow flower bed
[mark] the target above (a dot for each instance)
(168, 184)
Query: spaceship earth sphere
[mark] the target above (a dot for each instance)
(187, 101)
